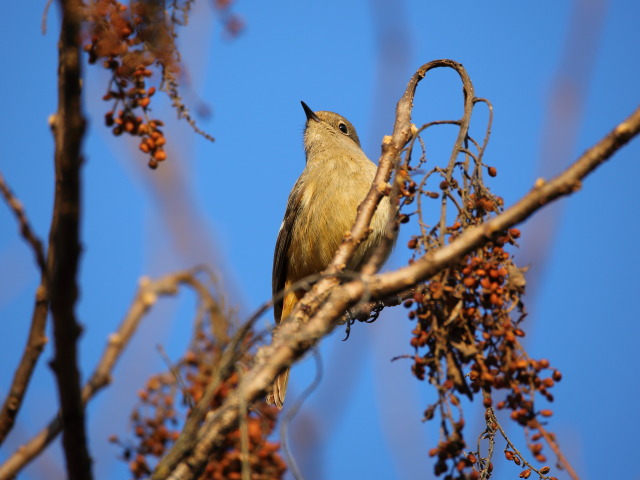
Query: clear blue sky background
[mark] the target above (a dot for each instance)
(558, 79)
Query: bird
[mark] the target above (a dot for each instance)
(320, 210)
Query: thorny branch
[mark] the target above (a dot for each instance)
(149, 291)
(317, 313)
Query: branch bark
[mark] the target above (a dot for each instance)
(64, 244)
(37, 338)
(317, 313)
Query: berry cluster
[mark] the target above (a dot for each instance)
(466, 339)
(136, 43)
(119, 37)
(159, 418)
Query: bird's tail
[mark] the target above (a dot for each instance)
(278, 390)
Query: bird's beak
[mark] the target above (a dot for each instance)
(309, 113)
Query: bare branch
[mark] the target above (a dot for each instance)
(64, 243)
(35, 344)
(562, 460)
(147, 295)
(491, 418)
(25, 228)
(37, 338)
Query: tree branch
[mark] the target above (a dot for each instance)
(64, 244)
(317, 312)
(37, 338)
(542, 194)
(147, 295)
(25, 227)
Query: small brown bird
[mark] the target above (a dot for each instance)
(321, 209)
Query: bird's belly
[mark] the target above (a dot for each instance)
(322, 230)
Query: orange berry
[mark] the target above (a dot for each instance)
(160, 155)
(469, 282)
(496, 300)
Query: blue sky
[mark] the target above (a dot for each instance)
(222, 204)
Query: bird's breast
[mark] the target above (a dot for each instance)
(331, 194)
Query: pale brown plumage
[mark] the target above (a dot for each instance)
(321, 209)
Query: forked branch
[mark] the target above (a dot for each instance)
(148, 293)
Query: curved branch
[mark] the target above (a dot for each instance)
(543, 193)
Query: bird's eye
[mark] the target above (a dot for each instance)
(343, 128)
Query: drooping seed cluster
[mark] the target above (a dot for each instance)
(122, 40)
(466, 338)
(159, 418)
(136, 44)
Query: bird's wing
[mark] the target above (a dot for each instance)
(281, 254)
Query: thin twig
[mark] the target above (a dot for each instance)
(45, 15)
(23, 222)
(491, 416)
(293, 411)
(562, 460)
(37, 337)
(244, 433)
